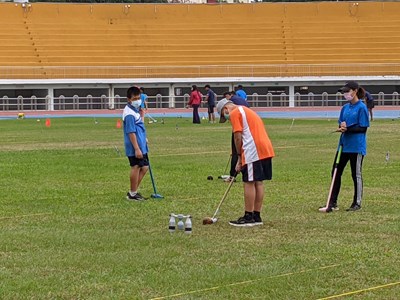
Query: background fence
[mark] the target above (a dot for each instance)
(90, 102)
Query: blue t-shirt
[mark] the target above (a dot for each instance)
(239, 101)
(211, 98)
(354, 115)
(143, 97)
(241, 94)
(133, 123)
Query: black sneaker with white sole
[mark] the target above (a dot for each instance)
(354, 207)
(136, 197)
(257, 220)
(243, 222)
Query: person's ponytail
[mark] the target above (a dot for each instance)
(360, 93)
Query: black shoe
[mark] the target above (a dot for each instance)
(140, 195)
(136, 197)
(257, 220)
(243, 222)
(354, 207)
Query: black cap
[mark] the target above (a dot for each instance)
(350, 85)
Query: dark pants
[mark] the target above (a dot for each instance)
(356, 161)
(196, 117)
(234, 158)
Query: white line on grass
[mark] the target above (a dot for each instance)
(244, 282)
(213, 152)
(24, 216)
(360, 291)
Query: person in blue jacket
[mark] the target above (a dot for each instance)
(353, 123)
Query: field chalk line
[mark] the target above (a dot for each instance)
(360, 291)
(213, 152)
(244, 282)
(23, 216)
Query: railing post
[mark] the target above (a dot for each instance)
(75, 102)
(50, 99)
(20, 103)
(291, 95)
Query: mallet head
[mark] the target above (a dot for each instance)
(156, 196)
(209, 221)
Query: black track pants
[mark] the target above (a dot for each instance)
(356, 161)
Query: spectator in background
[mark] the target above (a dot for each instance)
(369, 101)
(240, 92)
(143, 104)
(194, 102)
(230, 96)
(210, 99)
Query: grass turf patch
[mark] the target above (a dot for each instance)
(68, 232)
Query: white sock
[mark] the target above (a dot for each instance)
(133, 193)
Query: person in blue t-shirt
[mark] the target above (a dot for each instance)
(143, 104)
(237, 100)
(353, 123)
(240, 92)
(210, 99)
(370, 103)
(135, 141)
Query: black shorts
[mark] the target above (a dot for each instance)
(211, 109)
(257, 171)
(370, 104)
(133, 161)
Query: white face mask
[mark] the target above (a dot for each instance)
(348, 96)
(136, 103)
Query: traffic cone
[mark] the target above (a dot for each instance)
(48, 123)
(118, 123)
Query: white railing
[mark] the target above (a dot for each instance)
(195, 71)
(90, 102)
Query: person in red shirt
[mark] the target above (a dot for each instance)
(255, 154)
(194, 102)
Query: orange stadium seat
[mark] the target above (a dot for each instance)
(150, 36)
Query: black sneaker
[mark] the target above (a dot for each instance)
(257, 220)
(140, 195)
(136, 197)
(354, 207)
(243, 222)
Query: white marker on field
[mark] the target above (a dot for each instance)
(292, 124)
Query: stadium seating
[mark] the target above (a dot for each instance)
(152, 36)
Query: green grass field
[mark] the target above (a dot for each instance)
(67, 232)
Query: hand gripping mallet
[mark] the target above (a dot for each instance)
(207, 220)
(323, 209)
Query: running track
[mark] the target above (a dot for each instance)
(392, 112)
